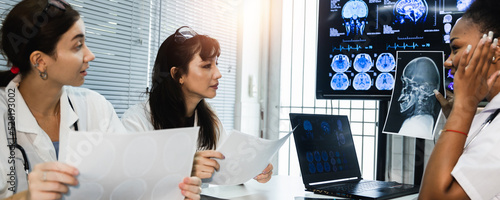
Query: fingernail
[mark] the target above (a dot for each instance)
(448, 62)
(498, 73)
(469, 47)
(436, 91)
(490, 35)
(223, 157)
(495, 42)
(484, 36)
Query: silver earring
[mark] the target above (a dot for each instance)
(43, 75)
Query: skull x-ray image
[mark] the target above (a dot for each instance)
(414, 109)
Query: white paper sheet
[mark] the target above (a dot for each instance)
(148, 165)
(246, 157)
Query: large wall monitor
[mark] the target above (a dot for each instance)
(358, 40)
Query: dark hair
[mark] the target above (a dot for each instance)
(32, 25)
(166, 99)
(485, 14)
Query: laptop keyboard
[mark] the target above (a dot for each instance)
(357, 186)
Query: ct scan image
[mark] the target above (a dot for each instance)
(414, 109)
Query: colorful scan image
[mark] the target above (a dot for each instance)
(363, 62)
(354, 14)
(385, 81)
(385, 62)
(340, 63)
(410, 11)
(339, 81)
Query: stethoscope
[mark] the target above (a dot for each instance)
(483, 126)
(14, 145)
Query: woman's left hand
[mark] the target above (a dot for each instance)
(190, 187)
(265, 176)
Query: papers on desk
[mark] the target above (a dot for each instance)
(246, 157)
(147, 165)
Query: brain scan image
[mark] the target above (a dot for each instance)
(447, 28)
(462, 5)
(309, 156)
(308, 128)
(447, 19)
(317, 156)
(324, 156)
(410, 11)
(385, 62)
(341, 139)
(362, 81)
(340, 63)
(340, 136)
(363, 62)
(385, 81)
(354, 14)
(312, 168)
(326, 128)
(334, 168)
(327, 167)
(319, 166)
(340, 81)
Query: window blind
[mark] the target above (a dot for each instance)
(5, 7)
(125, 35)
(117, 32)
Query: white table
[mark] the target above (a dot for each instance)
(278, 188)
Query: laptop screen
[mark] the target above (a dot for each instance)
(325, 147)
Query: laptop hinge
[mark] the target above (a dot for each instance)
(334, 181)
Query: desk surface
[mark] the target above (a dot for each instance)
(278, 188)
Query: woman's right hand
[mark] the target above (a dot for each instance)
(50, 180)
(203, 165)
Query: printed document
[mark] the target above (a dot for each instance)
(147, 165)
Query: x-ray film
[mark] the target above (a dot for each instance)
(414, 109)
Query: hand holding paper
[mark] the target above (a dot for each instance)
(246, 156)
(148, 165)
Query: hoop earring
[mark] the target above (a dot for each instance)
(43, 75)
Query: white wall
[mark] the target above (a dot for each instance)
(252, 66)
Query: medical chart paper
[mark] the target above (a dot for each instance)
(245, 157)
(146, 165)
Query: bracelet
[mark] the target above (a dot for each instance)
(449, 130)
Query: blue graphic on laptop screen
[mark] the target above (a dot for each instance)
(327, 157)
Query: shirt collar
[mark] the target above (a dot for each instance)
(29, 123)
(21, 110)
(493, 104)
(68, 114)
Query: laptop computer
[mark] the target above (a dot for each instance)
(329, 163)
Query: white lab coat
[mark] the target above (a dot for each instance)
(92, 112)
(138, 119)
(478, 168)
